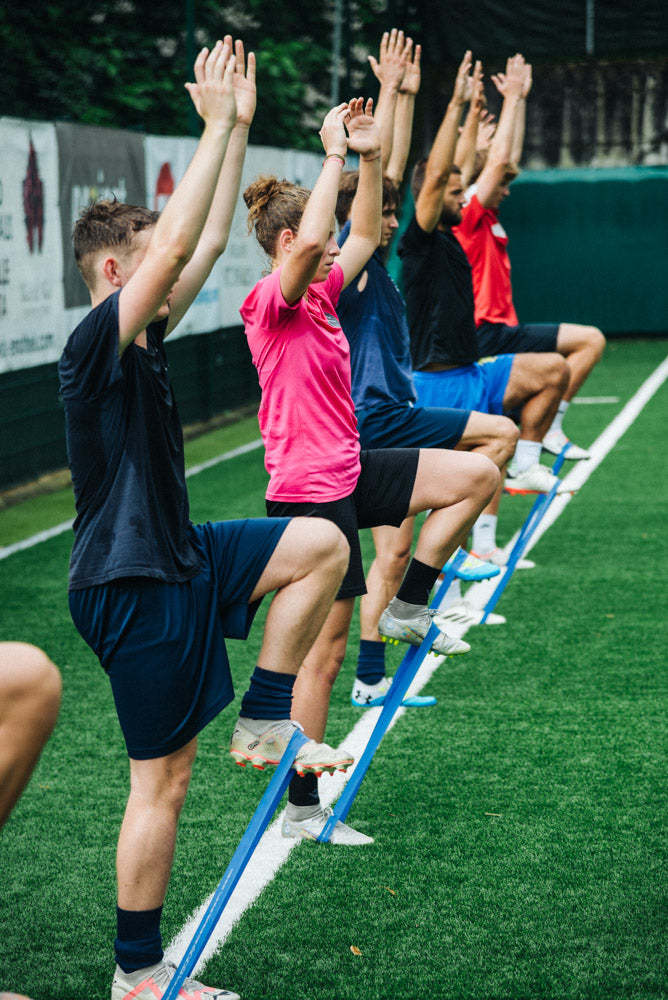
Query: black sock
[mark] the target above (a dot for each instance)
(303, 791)
(138, 942)
(417, 583)
(269, 695)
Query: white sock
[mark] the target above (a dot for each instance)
(559, 416)
(484, 533)
(527, 453)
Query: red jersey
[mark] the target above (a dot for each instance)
(485, 243)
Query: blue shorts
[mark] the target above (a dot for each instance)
(162, 645)
(405, 426)
(382, 496)
(497, 338)
(480, 386)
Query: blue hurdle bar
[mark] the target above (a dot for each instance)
(258, 824)
(405, 674)
(535, 516)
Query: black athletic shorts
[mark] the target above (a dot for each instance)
(382, 496)
(497, 338)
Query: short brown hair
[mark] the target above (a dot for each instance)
(274, 205)
(348, 190)
(419, 171)
(106, 224)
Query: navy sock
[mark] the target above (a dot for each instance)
(371, 661)
(138, 942)
(269, 695)
(303, 790)
(417, 583)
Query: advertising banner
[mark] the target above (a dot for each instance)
(93, 163)
(32, 325)
(243, 262)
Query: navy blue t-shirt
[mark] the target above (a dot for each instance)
(439, 297)
(125, 451)
(374, 322)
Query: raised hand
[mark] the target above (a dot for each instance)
(333, 132)
(213, 90)
(363, 134)
(243, 81)
(527, 80)
(486, 130)
(512, 82)
(461, 80)
(412, 76)
(390, 67)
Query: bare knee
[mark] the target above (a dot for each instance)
(486, 478)
(31, 684)
(328, 547)
(163, 782)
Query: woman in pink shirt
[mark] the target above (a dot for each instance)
(309, 430)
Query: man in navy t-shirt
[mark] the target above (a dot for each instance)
(152, 594)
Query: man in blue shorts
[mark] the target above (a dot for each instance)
(152, 594)
(486, 245)
(437, 282)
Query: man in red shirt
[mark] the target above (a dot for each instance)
(485, 242)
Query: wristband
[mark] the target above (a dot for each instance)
(335, 156)
(370, 159)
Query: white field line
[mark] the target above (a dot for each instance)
(273, 850)
(589, 400)
(194, 470)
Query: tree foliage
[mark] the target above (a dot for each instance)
(123, 64)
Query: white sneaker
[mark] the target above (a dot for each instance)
(311, 828)
(373, 695)
(263, 741)
(413, 630)
(555, 441)
(499, 557)
(150, 984)
(465, 614)
(536, 479)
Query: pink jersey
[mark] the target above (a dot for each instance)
(307, 417)
(486, 245)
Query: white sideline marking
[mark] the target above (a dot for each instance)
(588, 400)
(44, 536)
(273, 850)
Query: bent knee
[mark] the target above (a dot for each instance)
(326, 541)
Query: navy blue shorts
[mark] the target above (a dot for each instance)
(497, 338)
(162, 645)
(480, 386)
(382, 496)
(397, 426)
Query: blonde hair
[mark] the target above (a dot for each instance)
(274, 205)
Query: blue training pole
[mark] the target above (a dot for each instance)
(258, 824)
(405, 674)
(534, 517)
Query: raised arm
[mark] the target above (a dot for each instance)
(520, 119)
(215, 234)
(403, 118)
(465, 152)
(303, 250)
(389, 70)
(176, 234)
(500, 157)
(439, 163)
(367, 209)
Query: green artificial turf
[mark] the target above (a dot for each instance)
(519, 824)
